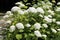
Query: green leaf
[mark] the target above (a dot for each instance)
(31, 34)
(18, 36)
(25, 35)
(9, 34)
(25, 0)
(21, 30)
(32, 28)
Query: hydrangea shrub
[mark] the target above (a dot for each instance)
(39, 22)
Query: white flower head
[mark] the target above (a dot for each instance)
(44, 35)
(12, 28)
(37, 26)
(20, 11)
(20, 26)
(37, 33)
(6, 16)
(58, 22)
(8, 22)
(45, 25)
(28, 25)
(58, 29)
(15, 8)
(32, 10)
(39, 9)
(53, 30)
(48, 20)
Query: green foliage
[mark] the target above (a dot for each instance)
(18, 36)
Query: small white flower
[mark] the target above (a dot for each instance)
(41, 15)
(32, 9)
(20, 4)
(48, 20)
(58, 29)
(37, 33)
(20, 26)
(28, 25)
(8, 12)
(39, 9)
(49, 16)
(6, 16)
(53, 30)
(20, 12)
(45, 25)
(44, 35)
(37, 26)
(46, 6)
(15, 8)
(58, 3)
(51, 12)
(12, 28)
(8, 22)
(58, 22)
(54, 20)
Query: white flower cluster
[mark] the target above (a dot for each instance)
(46, 5)
(47, 19)
(58, 3)
(15, 8)
(12, 28)
(8, 14)
(53, 30)
(5, 16)
(19, 26)
(38, 34)
(37, 26)
(30, 9)
(45, 25)
(51, 12)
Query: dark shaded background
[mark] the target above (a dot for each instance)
(6, 5)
